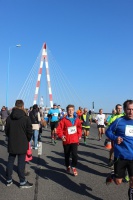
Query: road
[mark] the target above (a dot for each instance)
(51, 182)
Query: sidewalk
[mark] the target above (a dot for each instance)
(51, 182)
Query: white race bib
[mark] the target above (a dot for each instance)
(72, 130)
(56, 114)
(129, 130)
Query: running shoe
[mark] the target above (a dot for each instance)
(126, 179)
(26, 185)
(75, 173)
(110, 178)
(55, 141)
(9, 183)
(68, 169)
(52, 140)
(85, 143)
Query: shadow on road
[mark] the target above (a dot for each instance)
(59, 176)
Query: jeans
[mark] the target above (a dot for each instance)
(21, 167)
(35, 137)
(71, 149)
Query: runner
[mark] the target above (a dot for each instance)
(118, 114)
(110, 116)
(86, 121)
(100, 120)
(69, 129)
(123, 147)
(54, 115)
(79, 112)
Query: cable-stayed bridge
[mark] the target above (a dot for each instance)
(46, 83)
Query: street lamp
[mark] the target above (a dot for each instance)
(7, 85)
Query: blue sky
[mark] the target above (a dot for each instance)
(91, 40)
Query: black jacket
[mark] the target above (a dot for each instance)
(34, 116)
(19, 131)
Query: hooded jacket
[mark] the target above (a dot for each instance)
(19, 131)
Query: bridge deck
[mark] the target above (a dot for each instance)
(51, 182)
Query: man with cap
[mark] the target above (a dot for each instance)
(54, 115)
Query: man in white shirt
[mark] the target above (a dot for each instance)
(100, 120)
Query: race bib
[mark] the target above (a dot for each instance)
(72, 130)
(56, 114)
(129, 130)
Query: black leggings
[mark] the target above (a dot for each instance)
(71, 149)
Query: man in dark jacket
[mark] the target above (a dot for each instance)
(19, 132)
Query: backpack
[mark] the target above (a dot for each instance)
(34, 117)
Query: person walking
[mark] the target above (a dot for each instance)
(35, 120)
(4, 113)
(18, 129)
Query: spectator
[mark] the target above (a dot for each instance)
(18, 129)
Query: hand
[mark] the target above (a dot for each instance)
(64, 139)
(119, 140)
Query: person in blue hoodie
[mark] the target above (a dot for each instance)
(121, 132)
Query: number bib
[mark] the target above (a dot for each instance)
(129, 130)
(56, 114)
(72, 130)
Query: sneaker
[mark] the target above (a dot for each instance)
(55, 141)
(68, 169)
(26, 185)
(38, 145)
(126, 179)
(36, 148)
(110, 178)
(52, 140)
(85, 143)
(9, 183)
(74, 171)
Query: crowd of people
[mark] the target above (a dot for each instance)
(26, 127)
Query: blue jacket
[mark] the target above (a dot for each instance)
(122, 127)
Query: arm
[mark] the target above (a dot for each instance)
(7, 128)
(39, 118)
(59, 130)
(29, 131)
(110, 132)
(79, 129)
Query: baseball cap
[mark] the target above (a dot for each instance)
(54, 104)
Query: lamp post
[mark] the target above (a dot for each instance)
(7, 85)
(93, 106)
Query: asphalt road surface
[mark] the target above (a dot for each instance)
(48, 173)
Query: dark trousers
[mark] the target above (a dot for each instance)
(71, 149)
(21, 166)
